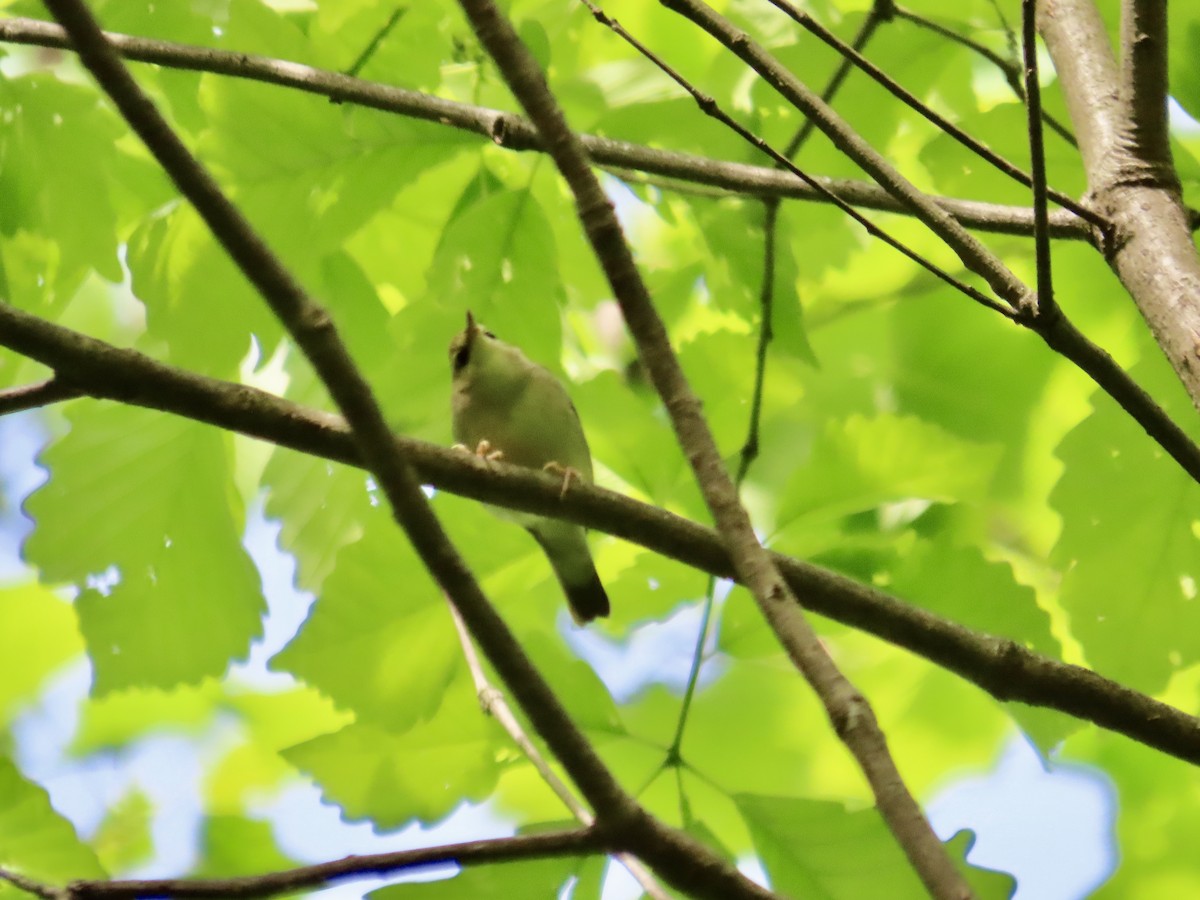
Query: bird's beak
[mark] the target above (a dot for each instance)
(472, 328)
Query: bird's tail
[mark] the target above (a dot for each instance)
(587, 600)
(572, 563)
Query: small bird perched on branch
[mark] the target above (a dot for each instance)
(507, 407)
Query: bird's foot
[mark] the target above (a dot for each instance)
(567, 473)
(483, 450)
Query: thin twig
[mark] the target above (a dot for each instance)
(914, 103)
(1046, 306)
(31, 886)
(1005, 669)
(674, 755)
(493, 703)
(849, 711)
(31, 396)
(579, 842)
(1010, 70)
(515, 133)
(710, 107)
(369, 51)
(881, 10)
(1009, 35)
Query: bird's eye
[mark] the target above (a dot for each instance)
(461, 355)
(489, 334)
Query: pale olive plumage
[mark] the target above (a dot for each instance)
(520, 409)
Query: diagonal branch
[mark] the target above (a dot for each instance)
(515, 133)
(681, 860)
(848, 710)
(766, 304)
(881, 11)
(579, 842)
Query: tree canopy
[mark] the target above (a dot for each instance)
(919, 291)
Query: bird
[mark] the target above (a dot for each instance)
(505, 406)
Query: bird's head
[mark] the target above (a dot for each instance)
(476, 354)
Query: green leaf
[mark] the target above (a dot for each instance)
(862, 464)
(235, 845)
(271, 722)
(422, 774)
(815, 848)
(980, 386)
(120, 718)
(958, 583)
(1130, 544)
(493, 257)
(628, 439)
(588, 701)
(1184, 56)
(380, 608)
(320, 505)
(142, 503)
(57, 147)
(1154, 803)
(747, 701)
(525, 878)
(35, 840)
(123, 839)
(1004, 129)
(38, 633)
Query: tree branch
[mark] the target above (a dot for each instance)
(849, 711)
(766, 305)
(532, 846)
(681, 860)
(493, 703)
(515, 133)
(1003, 668)
(31, 396)
(1007, 672)
(1144, 83)
(973, 254)
(815, 28)
(1153, 254)
(1011, 71)
(1052, 327)
(711, 108)
(1037, 156)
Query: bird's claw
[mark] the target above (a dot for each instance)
(567, 473)
(483, 450)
